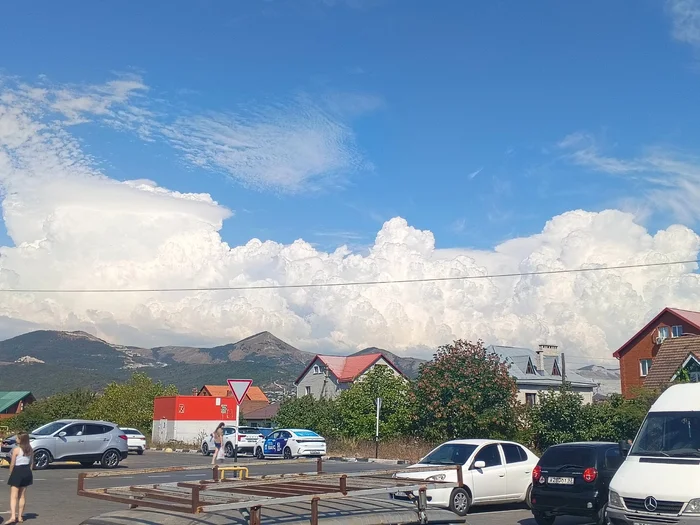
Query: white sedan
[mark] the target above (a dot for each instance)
(291, 443)
(493, 472)
(136, 441)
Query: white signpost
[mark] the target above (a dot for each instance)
(378, 403)
(239, 388)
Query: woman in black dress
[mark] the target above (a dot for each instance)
(20, 476)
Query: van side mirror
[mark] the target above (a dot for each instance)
(624, 448)
(478, 465)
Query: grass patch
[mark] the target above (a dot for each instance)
(409, 449)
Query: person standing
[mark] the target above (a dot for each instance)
(218, 436)
(21, 477)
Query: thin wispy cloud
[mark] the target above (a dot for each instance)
(474, 173)
(685, 20)
(671, 179)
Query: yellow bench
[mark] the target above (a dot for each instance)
(242, 472)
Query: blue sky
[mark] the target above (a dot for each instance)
(513, 136)
(454, 109)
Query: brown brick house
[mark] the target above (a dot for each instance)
(637, 354)
(676, 354)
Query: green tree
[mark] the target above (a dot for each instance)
(130, 404)
(318, 415)
(619, 418)
(558, 417)
(69, 405)
(464, 392)
(356, 406)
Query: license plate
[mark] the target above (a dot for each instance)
(560, 481)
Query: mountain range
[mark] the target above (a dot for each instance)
(47, 361)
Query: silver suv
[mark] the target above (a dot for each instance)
(76, 440)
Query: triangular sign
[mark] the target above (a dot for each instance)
(239, 387)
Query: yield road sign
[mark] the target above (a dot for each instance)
(239, 387)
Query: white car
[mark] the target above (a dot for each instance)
(289, 443)
(135, 440)
(493, 472)
(245, 437)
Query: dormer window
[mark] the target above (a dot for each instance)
(317, 369)
(530, 369)
(555, 369)
(676, 331)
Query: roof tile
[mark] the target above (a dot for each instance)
(672, 353)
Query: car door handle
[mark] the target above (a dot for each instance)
(527, 472)
(501, 475)
(81, 441)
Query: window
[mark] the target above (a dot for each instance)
(644, 367)
(530, 399)
(558, 455)
(317, 369)
(613, 459)
(674, 434)
(307, 390)
(664, 332)
(530, 369)
(449, 454)
(555, 369)
(93, 430)
(695, 377)
(513, 453)
(49, 429)
(676, 331)
(489, 455)
(74, 430)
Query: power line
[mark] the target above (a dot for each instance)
(350, 283)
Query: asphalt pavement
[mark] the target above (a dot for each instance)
(53, 499)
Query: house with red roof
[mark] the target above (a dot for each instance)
(642, 351)
(327, 375)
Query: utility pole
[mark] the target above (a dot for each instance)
(563, 368)
(378, 402)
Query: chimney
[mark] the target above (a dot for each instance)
(194, 391)
(546, 350)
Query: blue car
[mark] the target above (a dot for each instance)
(290, 443)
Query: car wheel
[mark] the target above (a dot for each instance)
(228, 450)
(543, 519)
(528, 497)
(259, 453)
(460, 502)
(87, 464)
(602, 518)
(110, 459)
(205, 449)
(140, 452)
(288, 453)
(41, 459)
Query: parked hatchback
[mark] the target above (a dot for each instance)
(76, 440)
(572, 479)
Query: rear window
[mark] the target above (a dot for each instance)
(131, 432)
(248, 430)
(583, 457)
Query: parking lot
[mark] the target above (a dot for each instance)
(53, 500)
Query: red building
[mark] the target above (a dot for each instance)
(189, 418)
(637, 355)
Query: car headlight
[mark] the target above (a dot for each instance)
(614, 500)
(693, 507)
(436, 477)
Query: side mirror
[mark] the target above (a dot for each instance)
(624, 448)
(61, 434)
(478, 465)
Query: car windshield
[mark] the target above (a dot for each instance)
(49, 429)
(669, 434)
(574, 457)
(449, 454)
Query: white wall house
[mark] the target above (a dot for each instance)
(536, 372)
(326, 376)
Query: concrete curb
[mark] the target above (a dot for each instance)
(343, 459)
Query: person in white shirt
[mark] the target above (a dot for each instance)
(21, 464)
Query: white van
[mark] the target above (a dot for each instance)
(659, 481)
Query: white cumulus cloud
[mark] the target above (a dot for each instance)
(73, 227)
